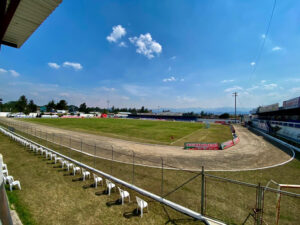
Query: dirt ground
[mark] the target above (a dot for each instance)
(252, 152)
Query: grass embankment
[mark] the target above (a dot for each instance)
(226, 201)
(148, 131)
(50, 195)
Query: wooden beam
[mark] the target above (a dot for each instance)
(8, 15)
(9, 44)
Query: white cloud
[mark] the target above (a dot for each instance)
(295, 90)
(263, 36)
(234, 88)
(123, 44)
(170, 79)
(169, 68)
(14, 73)
(252, 63)
(53, 65)
(3, 70)
(146, 46)
(182, 79)
(185, 99)
(118, 32)
(252, 88)
(125, 98)
(269, 86)
(227, 81)
(173, 57)
(75, 66)
(263, 81)
(107, 89)
(276, 48)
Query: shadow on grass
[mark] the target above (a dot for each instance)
(133, 213)
(68, 174)
(88, 186)
(112, 203)
(77, 179)
(99, 193)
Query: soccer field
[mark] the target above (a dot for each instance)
(148, 131)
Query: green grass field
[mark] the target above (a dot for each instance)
(159, 132)
(226, 201)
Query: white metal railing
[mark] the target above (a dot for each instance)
(143, 192)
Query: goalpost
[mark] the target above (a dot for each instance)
(279, 188)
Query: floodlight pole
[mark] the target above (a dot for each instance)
(235, 95)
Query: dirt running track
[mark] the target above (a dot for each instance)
(252, 152)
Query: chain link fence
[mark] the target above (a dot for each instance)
(228, 200)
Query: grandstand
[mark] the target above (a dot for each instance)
(282, 121)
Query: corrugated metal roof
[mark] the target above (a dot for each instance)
(29, 15)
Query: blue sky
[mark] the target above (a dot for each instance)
(171, 54)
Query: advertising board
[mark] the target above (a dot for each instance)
(268, 108)
(227, 144)
(292, 103)
(201, 146)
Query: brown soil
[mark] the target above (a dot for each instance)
(252, 152)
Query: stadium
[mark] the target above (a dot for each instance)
(64, 164)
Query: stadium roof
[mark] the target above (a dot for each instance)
(20, 18)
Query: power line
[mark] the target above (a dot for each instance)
(235, 95)
(257, 59)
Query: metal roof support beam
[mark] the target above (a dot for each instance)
(7, 16)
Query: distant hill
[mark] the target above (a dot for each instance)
(221, 110)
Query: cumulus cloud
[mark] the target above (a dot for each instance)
(276, 48)
(269, 86)
(3, 70)
(234, 88)
(123, 44)
(117, 33)
(146, 46)
(252, 63)
(14, 73)
(53, 65)
(75, 66)
(227, 81)
(170, 79)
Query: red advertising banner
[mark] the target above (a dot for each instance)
(227, 144)
(236, 140)
(201, 146)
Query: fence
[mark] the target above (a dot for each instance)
(225, 199)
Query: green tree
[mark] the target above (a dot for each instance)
(224, 116)
(51, 106)
(82, 107)
(62, 105)
(31, 106)
(21, 104)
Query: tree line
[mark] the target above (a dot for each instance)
(25, 106)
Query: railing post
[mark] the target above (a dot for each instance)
(202, 191)
(95, 148)
(112, 158)
(132, 167)
(259, 205)
(162, 177)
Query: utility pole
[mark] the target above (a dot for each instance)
(107, 105)
(235, 95)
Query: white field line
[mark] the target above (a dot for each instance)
(185, 136)
(185, 169)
